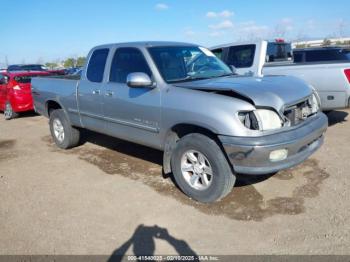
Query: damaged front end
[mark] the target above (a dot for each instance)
(267, 119)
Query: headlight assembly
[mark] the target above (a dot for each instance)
(260, 119)
(314, 103)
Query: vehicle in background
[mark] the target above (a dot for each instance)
(78, 72)
(181, 99)
(72, 70)
(278, 51)
(35, 67)
(320, 54)
(331, 80)
(15, 92)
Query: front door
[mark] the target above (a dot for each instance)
(131, 113)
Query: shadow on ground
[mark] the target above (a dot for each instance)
(6, 150)
(245, 202)
(143, 243)
(336, 117)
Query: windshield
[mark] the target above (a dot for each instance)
(187, 63)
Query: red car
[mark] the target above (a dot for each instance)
(15, 92)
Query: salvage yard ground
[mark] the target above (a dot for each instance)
(110, 196)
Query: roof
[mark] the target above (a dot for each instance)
(145, 44)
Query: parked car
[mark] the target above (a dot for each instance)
(15, 92)
(72, 70)
(331, 80)
(35, 67)
(321, 54)
(181, 99)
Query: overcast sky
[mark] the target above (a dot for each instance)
(42, 30)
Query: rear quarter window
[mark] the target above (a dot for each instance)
(325, 55)
(97, 64)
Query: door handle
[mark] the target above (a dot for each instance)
(109, 93)
(96, 92)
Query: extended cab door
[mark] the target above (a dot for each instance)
(91, 89)
(131, 113)
(247, 58)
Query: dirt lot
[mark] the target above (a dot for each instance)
(109, 196)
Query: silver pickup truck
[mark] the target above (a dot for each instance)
(181, 99)
(330, 79)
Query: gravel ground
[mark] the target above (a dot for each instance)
(109, 196)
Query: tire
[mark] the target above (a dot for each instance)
(8, 112)
(196, 183)
(64, 135)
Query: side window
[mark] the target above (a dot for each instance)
(298, 57)
(218, 53)
(241, 56)
(3, 79)
(97, 65)
(125, 61)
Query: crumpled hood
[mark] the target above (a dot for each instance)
(267, 91)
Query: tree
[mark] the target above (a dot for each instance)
(326, 42)
(70, 62)
(80, 61)
(301, 46)
(51, 65)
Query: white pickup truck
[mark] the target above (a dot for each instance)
(330, 79)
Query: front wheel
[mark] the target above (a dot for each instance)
(8, 112)
(200, 168)
(64, 135)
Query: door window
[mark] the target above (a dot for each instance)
(218, 53)
(241, 56)
(125, 61)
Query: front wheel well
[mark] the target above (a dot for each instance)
(52, 105)
(175, 134)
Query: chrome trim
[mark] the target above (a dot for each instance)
(121, 122)
(74, 111)
(131, 124)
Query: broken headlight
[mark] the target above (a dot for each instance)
(260, 119)
(314, 103)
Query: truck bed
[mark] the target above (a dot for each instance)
(46, 88)
(328, 79)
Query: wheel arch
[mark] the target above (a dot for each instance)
(178, 131)
(51, 105)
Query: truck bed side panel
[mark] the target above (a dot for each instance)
(61, 91)
(329, 81)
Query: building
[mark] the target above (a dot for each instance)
(320, 42)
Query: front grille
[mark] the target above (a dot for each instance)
(298, 112)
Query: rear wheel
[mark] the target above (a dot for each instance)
(64, 135)
(8, 112)
(200, 168)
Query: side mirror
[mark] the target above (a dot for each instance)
(138, 79)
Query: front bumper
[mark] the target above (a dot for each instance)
(251, 155)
